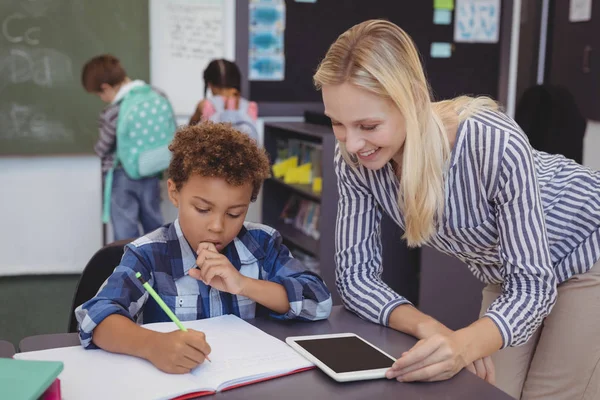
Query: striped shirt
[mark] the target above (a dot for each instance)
(106, 145)
(164, 258)
(516, 216)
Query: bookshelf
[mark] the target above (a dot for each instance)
(400, 264)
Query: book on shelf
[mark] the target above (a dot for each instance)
(241, 355)
(303, 215)
(307, 153)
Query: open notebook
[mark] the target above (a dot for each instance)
(241, 354)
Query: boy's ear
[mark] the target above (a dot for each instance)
(104, 87)
(173, 192)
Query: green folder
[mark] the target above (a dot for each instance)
(27, 380)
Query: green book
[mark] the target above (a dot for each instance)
(27, 380)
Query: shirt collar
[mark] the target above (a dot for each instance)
(126, 88)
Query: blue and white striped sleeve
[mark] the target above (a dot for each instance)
(358, 250)
(529, 288)
(120, 294)
(309, 298)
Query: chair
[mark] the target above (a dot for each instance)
(97, 270)
(7, 350)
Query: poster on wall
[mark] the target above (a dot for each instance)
(477, 21)
(580, 10)
(266, 52)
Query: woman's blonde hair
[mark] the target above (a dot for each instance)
(378, 56)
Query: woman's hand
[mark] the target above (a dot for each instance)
(438, 357)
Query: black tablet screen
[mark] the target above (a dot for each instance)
(346, 354)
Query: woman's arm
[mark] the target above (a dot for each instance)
(529, 288)
(358, 255)
(408, 319)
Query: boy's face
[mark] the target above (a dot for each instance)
(210, 209)
(107, 93)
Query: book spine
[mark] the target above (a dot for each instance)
(53, 391)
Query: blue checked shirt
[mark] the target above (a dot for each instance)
(164, 258)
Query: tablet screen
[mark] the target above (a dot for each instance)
(346, 354)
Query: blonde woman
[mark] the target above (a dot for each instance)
(460, 176)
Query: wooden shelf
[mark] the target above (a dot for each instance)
(310, 130)
(304, 190)
(276, 194)
(298, 238)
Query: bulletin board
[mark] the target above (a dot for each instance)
(311, 27)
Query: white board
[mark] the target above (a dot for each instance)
(185, 35)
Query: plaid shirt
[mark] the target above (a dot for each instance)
(164, 257)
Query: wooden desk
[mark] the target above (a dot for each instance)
(315, 385)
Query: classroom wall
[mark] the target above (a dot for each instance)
(49, 214)
(591, 145)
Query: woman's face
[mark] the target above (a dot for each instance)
(371, 127)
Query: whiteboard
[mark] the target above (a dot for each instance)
(185, 35)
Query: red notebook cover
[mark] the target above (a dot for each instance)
(53, 391)
(199, 394)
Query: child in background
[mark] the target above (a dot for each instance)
(132, 201)
(223, 78)
(207, 263)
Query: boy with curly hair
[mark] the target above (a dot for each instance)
(209, 262)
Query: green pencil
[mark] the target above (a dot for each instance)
(162, 304)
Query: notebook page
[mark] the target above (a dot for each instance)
(97, 374)
(240, 351)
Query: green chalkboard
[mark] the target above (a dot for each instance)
(43, 46)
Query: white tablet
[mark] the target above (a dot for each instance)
(343, 356)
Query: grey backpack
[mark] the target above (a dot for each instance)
(240, 119)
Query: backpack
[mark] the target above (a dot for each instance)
(215, 109)
(145, 128)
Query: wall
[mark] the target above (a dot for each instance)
(591, 145)
(49, 214)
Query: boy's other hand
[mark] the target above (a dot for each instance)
(214, 269)
(178, 352)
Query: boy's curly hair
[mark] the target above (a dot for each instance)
(217, 150)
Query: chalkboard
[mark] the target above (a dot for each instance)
(312, 27)
(43, 46)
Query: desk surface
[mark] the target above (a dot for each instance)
(315, 384)
(7, 350)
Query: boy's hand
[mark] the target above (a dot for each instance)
(214, 269)
(178, 352)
